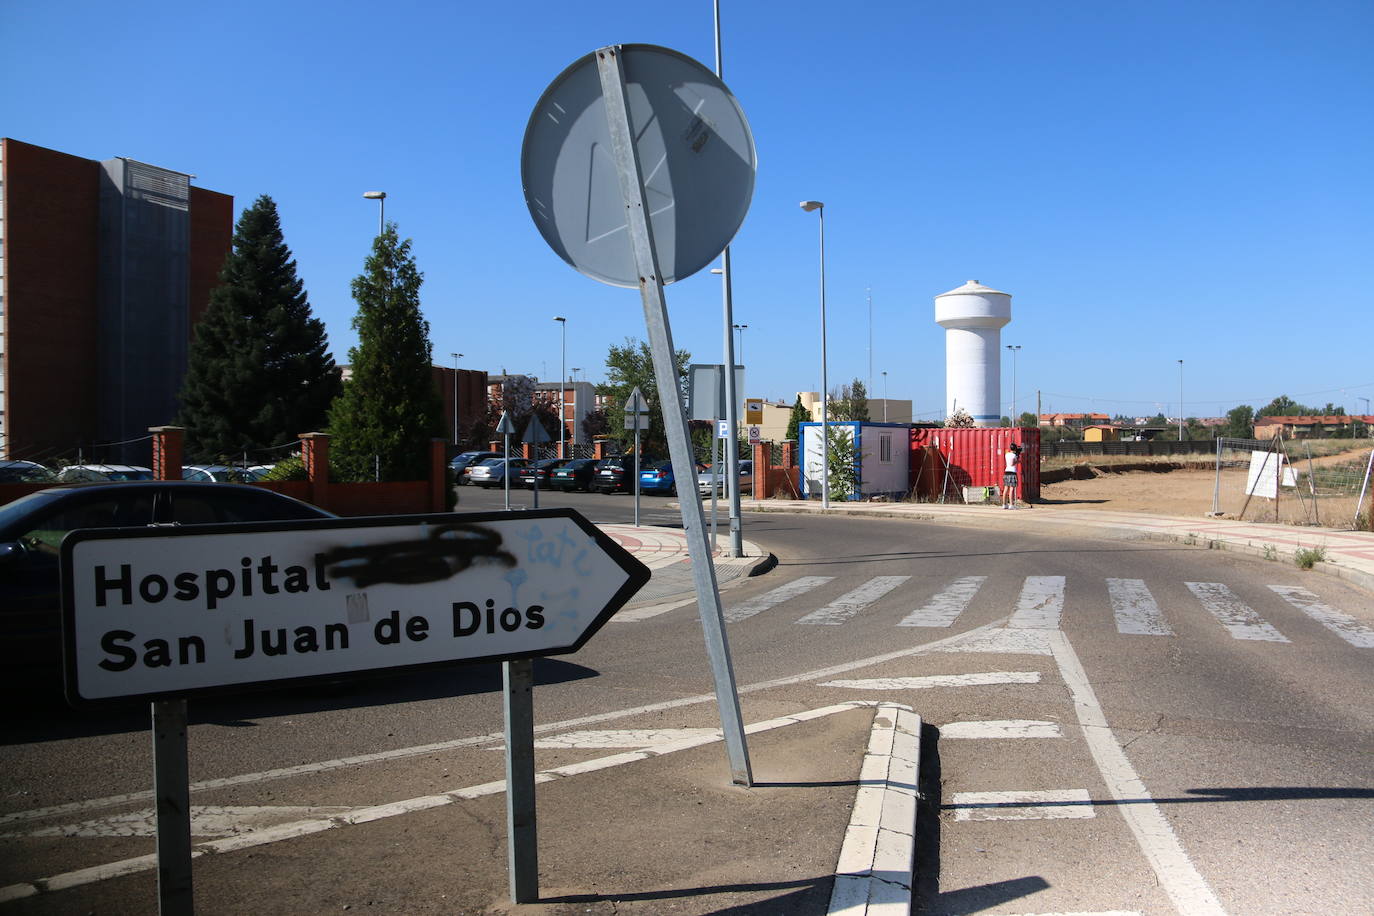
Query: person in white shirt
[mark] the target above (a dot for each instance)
(1013, 459)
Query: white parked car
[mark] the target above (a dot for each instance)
(24, 472)
(746, 479)
(81, 473)
(205, 473)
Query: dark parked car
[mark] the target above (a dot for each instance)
(461, 462)
(32, 528)
(575, 475)
(613, 474)
(541, 469)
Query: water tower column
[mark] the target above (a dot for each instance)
(973, 317)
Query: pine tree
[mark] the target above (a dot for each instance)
(259, 371)
(799, 416)
(390, 409)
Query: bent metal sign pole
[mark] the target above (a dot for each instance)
(165, 615)
(638, 167)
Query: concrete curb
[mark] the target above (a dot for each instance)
(875, 872)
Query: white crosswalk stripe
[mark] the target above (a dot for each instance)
(848, 605)
(1342, 624)
(1041, 604)
(945, 608)
(774, 597)
(1239, 619)
(1135, 608)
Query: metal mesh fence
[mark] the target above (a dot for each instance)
(1277, 481)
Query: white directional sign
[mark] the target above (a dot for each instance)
(174, 612)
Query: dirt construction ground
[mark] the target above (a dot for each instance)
(1190, 492)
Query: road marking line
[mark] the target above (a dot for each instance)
(1176, 873)
(943, 609)
(846, 606)
(206, 820)
(630, 737)
(940, 680)
(1232, 613)
(363, 815)
(774, 597)
(1001, 728)
(1022, 806)
(1137, 612)
(1338, 622)
(1011, 642)
(1041, 604)
(324, 766)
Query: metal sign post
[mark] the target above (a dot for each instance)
(521, 821)
(506, 427)
(631, 178)
(636, 418)
(536, 435)
(172, 787)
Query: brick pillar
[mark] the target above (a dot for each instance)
(438, 475)
(315, 454)
(599, 449)
(763, 479)
(789, 453)
(167, 450)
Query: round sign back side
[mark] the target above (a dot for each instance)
(695, 150)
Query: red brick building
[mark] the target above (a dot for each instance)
(107, 266)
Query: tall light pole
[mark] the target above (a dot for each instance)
(741, 328)
(819, 208)
(1014, 348)
(870, 338)
(380, 198)
(1180, 400)
(456, 357)
(884, 395)
(562, 382)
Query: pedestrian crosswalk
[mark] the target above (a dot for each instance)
(1040, 602)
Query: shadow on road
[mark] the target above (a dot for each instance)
(48, 718)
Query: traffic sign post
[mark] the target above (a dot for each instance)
(168, 614)
(636, 418)
(702, 182)
(506, 427)
(536, 435)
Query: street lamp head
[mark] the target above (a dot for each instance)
(739, 327)
(375, 195)
(559, 318)
(809, 205)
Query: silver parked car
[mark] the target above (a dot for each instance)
(746, 479)
(492, 472)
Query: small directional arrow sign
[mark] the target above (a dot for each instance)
(535, 433)
(157, 612)
(505, 426)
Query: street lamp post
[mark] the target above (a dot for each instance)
(1014, 348)
(562, 385)
(1180, 400)
(380, 198)
(740, 349)
(884, 395)
(456, 357)
(819, 208)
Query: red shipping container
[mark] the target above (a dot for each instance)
(947, 460)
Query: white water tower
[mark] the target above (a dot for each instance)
(973, 317)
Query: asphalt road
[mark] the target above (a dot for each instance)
(1192, 740)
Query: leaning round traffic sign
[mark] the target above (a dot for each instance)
(695, 151)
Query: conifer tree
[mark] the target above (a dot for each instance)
(390, 408)
(798, 416)
(259, 371)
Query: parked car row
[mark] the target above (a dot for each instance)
(607, 475)
(33, 472)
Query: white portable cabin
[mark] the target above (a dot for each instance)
(880, 458)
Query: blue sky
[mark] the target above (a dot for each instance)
(1150, 181)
